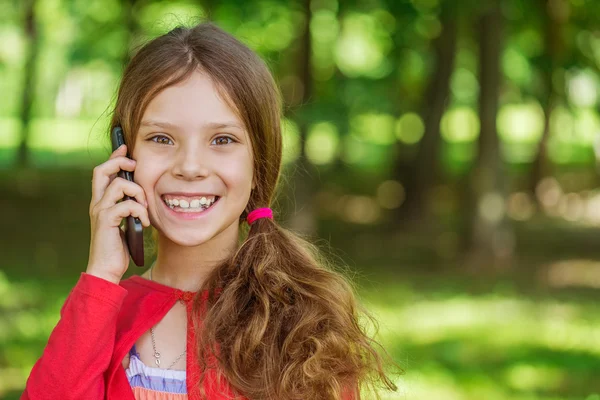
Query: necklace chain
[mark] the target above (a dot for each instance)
(156, 353)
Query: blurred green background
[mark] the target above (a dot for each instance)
(443, 150)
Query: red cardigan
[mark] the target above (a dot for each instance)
(99, 323)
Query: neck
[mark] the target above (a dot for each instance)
(187, 267)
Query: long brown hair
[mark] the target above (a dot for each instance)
(284, 324)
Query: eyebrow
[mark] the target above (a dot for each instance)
(210, 125)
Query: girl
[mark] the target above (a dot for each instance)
(214, 317)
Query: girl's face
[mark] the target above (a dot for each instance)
(191, 145)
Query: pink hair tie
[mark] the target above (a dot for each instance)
(259, 213)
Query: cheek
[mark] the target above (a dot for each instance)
(246, 175)
(145, 174)
(240, 179)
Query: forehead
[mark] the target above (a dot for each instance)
(194, 102)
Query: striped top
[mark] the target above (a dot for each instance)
(149, 383)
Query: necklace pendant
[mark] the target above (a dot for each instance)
(157, 361)
(156, 354)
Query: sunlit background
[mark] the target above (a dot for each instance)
(446, 151)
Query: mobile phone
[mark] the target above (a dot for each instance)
(134, 234)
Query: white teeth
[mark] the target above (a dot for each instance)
(201, 203)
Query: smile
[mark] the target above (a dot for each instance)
(190, 209)
(192, 204)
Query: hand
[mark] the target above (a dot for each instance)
(109, 256)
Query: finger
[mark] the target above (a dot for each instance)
(114, 215)
(120, 151)
(120, 188)
(106, 172)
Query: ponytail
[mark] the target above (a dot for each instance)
(284, 324)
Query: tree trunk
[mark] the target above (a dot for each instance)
(424, 170)
(31, 35)
(208, 7)
(132, 28)
(555, 14)
(303, 218)
(490, 236)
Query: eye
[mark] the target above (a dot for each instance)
(224, 137)
(161, 139)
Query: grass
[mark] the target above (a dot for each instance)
(499, 345)
(452, 344)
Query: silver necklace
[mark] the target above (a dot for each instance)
(156, 353)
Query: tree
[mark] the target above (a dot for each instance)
(489, 235)
(131, 26)
(32, 39)
(423, 171)
(555, 13)
(303, 219)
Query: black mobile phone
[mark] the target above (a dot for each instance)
(134, 234)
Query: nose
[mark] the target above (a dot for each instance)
(191, 164)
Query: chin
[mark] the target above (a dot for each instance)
(192, 236)
(190, 240)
